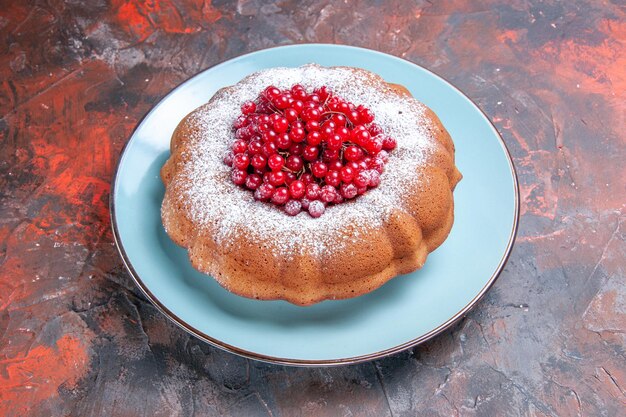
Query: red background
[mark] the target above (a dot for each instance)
(77, 338)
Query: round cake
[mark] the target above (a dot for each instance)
(266, 248)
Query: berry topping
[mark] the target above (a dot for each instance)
(238, 176)
(278, 177)
(241, 161)
(258, 161)
(253, 181)
(304, 150)
(348, 191)
(319, 169)
(297, 189)
(248, 107)
(328, 193)
(389, 143)
(316, 208)
(293, 207)
(280, 196)
(264, 191)
(228, 158)
(276, 162)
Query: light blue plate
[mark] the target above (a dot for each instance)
(406, 311)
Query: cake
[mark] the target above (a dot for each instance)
(264, 247)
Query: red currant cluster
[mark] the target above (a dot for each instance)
(305, 150)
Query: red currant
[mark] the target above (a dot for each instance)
(254, 147)
(333, 178)
(268, 136)
(330, 155)
(327, 131)
(314, 138)
(298, 106)
(271, 92)
(258, 161)
(377, 164)
(310, 153)
(297, 134)
(365, 115)
(334, 142)
(293, 207)
(335, 166)
(291, 114)
(240, 122)
(312, 126)
(264, 191)
(327, 194)
(310, 115)
(307, 178)
(244, 133)
(239, 146)
(281, 125)
(248, 107)
(238, 176)
(344, 132)
(313, 191)
(296, 149)
(353, 153)
(297, 189)
(353, 116)
(277, 178)
(283, 141)
(253, 181)
(375, 129)
(389, 143)
(360, 136)
(362, 179)
(294, 163)
(298, 91)
(354, 166)
(290, 177)
(347, 174)
(373, 146)
(348, 191)
(322, 92)
(269, 149)
(319, 169)
(228, 158)
(316, 208)
(280, 196)
(374, 179)
(276, 162)
(241, 161)
(339, 119)
(281, 101)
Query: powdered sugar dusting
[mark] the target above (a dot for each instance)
(213, 199)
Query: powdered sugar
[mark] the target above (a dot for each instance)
(214, 201)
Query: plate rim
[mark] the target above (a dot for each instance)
(313, 362)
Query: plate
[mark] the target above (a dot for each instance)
(404, 312)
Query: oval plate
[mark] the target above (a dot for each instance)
(404, 312)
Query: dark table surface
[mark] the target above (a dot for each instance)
(77, 337)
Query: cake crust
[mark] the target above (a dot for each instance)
(265, 254)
